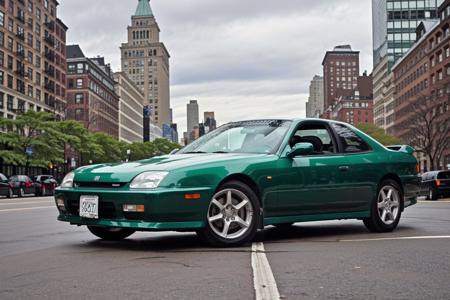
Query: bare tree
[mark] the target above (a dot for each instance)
(429, 127)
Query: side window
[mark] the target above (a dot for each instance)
(351, 142)
(316, 134)
(3, 177)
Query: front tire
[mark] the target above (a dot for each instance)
(21, 193)
(386, 210)
(111, 234)
(232, 218)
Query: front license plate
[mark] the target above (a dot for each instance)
(89, 207)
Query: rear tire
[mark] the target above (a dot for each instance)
(232, 218)
(386, 209)
(111, 233)
(432, 194)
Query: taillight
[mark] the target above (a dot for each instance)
(417, 168)
(27, 184)
(438, 183)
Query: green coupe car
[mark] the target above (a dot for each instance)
(244, 176)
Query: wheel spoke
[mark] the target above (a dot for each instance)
(217, 203)
(229, 198)
(216, 217)
(226, 227)
(381, 204)
(383, 215)
(389, 194)
(395, 203)
(241, 205)
(383, 194)
(241, 222)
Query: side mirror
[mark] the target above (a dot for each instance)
(301, 149)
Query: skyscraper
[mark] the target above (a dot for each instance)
(340, 73)
(314, 106)
(146, 62)
(394, 31)
(192, 116)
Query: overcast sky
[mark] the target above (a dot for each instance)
(240, 58)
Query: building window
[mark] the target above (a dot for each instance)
(440, 75)
(78, 114)
(2, 19)
(79, 83)
(79, 98)
(10, 103)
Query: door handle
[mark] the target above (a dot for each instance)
(344, 168)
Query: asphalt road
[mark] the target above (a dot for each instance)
(41, 258)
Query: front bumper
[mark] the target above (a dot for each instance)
(165, 209)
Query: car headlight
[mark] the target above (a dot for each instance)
(148, 180)
(68, 180)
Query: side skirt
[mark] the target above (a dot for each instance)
(316, 217)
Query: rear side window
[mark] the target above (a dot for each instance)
(351, 142)
(3, 177)
(444, 175)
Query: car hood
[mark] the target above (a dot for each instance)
(125, 172)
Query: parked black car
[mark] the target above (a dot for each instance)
(436, 184)
(5, 189)
(21, 185)
(44, 185)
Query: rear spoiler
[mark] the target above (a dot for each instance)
(402, 148)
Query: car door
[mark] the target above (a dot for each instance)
(4, 186)
(313, 184)
(360, 168)
(28, 185)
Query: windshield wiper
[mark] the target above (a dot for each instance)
(195, 152)
(221, 152)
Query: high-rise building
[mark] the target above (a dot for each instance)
(394, 24)
(314, 106)
(131, 104)
(192, 115)
(209, 120)
(422, 79)
(146, 62)
(340, 73)
(91, 98)
(32, 58)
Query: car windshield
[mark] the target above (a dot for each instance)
(263, 136)
(444, 175)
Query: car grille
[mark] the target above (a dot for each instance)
(104, 185)
(106, 210)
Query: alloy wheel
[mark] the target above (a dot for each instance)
(230, 213)
(388, 204)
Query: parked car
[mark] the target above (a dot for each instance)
(244, 176)
(44, 185)
(5, 189)
(21, 185)
(436, 184)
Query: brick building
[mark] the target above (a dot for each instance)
(423, 76)
(91, 97)
(356, 108)
(32, 58)
(340, 73)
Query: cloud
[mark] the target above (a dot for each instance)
(241, 59)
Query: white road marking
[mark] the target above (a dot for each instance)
(263, 280)
(426, 237)
(437, 201)
(28, 202)
(26, 208)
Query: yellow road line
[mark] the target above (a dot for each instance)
(26, 208)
